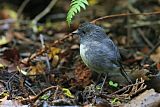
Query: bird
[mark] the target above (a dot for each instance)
(98, 51)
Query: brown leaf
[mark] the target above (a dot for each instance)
(36, 70)
(82, 74)
(158, 66)
(12, 55)
(156, 56)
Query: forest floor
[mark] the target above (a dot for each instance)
(40, 63)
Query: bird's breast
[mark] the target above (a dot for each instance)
(83, 50)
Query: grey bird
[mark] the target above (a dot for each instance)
(98, 51)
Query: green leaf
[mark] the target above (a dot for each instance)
(85, 1)
(82, 5)
(115, 101)
(44, 97)
(79, 8)
(111, 83)
(75, 7)
(99, 86)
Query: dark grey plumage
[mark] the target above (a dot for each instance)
(98, 51)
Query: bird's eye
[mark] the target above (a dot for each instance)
(83, 32)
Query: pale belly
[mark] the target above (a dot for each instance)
(94, 66)
(88, 62)
(83, 50)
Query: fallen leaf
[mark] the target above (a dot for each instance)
(67, 92)
(156, 56)
(36, 70)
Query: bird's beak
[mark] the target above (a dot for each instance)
(75, 32)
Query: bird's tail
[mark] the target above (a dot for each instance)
(123, 72)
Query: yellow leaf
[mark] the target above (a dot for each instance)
(55, 60)
(93, 2)
(67, 92)
(1, 65)
(4, 95)
(40, 28)
(53, 52)
(22, 71)
(3, 40)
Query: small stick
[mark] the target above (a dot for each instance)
(21, 8)
(124, 14)
(45, 11)
(124, 88)
(33, 99)
(145, 39)
(46, 56)
(151, 51)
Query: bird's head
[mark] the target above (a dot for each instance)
(88, 29)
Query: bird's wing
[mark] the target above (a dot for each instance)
(100, 55)
(113, 51)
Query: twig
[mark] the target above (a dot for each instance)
(33, 99)
(137, 88)
(30, 89)
(55, 94)
(132, 9)
(150, 52)
(27, 84)
(21, 8)
(124, 88)
(124, 14)
(145, 39)
(144, 23)
(46, 56)
(8, 82)
(40, 52)
(44, 12)
(130, 90)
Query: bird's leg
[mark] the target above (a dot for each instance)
(103, 83)
(98, 79)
